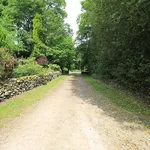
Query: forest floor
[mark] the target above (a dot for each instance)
(74, 117)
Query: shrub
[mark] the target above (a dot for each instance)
(1, 70)
(6, 63)
(30, 67)
(42, 61)
(65, 71)
(27, 67)
(55, 67)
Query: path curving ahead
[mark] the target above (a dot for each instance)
(71, 119)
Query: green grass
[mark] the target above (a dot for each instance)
(14, 107)
(119, 98)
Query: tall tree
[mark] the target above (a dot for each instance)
(64, 53)
(39, 46)
(8, 29)
(113, 38)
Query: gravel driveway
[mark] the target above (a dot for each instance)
(72, 118)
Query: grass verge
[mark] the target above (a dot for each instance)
(120, 98)
(14, 107)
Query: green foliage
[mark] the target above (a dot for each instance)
(39, 46)
(64, 53)
(113, 39)
(119, 98)
(54, 67)
(36, 28)
(6, 63)
(8, 34)
(30, 27)
(27, 68)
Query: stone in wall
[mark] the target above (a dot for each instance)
(16, 86)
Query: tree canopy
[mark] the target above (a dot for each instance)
(36, 28)
(113, 39)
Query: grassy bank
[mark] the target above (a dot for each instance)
(13, 107)
(120, 98)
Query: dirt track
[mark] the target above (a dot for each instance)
(73, 117)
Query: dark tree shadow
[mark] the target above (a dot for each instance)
(80, 88)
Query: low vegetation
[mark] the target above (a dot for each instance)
(120, 99)
(29, 67)
(34, 30)
(7, 62)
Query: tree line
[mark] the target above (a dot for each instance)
(36, 28)
(114, 42)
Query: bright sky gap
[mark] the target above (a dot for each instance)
(73, 9)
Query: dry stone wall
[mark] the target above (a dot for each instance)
(16, 86)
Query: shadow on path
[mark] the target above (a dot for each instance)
(81, 89)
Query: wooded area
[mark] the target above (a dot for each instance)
(103, 104)
(114, 41)
(33, 34)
